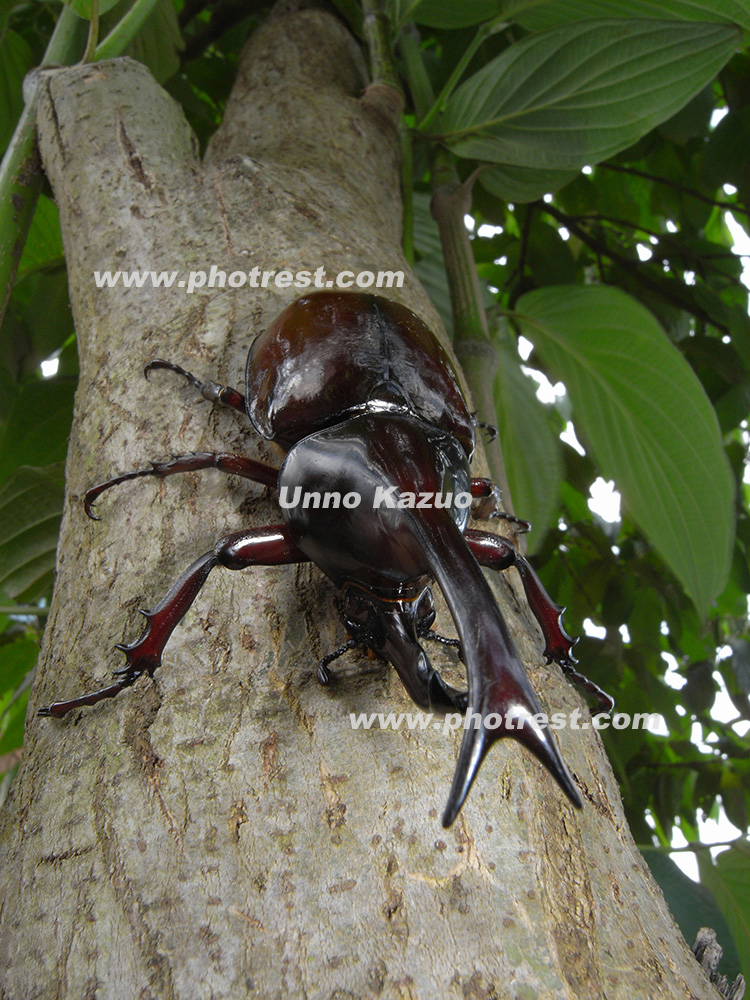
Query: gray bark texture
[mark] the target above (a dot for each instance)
(220, 830)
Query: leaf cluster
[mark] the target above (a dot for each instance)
(608, 196)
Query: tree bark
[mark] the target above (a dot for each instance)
(220, 830)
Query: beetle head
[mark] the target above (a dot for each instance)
(392, 628)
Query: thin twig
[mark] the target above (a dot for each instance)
(633, 267)
(695, 259)
(735, 207)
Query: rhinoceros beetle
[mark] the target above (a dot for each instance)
(367, 404)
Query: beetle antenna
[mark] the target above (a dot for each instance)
(434, 636)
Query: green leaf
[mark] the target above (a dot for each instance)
(44, 242)
(524, 184)
(16, 60)
(16, 660)
(159, 41)
(431, 274)
(583, 92)
(693, 906)
(445, 13)
(728, 877)
(648, 422)
(42, 322)
(740, 662)
(83, 8)
(725, 157)
(31, 503)
(692, 121)
(549, 256)
(430, 266)
(531, 451)
(147, 30)
(351, 13)
(38, 426)
(699, 693)
(12, 724)
(539, 17)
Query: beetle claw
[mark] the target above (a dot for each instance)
(559, 644)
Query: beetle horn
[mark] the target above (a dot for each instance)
(499, 690)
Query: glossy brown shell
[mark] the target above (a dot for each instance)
(333, 354)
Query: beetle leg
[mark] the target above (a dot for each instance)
(398, 643)
(60, 708)
(324, 674)
(236, 465)
(211, 391)
(487, 495)
(496, 552)
(270, 546)
(488, 500)
(490, 430)
(606, 701)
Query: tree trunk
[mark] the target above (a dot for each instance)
(220, 830)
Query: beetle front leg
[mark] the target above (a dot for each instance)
(487, 498)
(271, 546)
(211, 391)
(496, 552)
(236, 465)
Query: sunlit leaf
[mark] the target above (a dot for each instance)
(648, 422)
(531, 451)
(580, 93)
(728, 877)
(537, 16)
